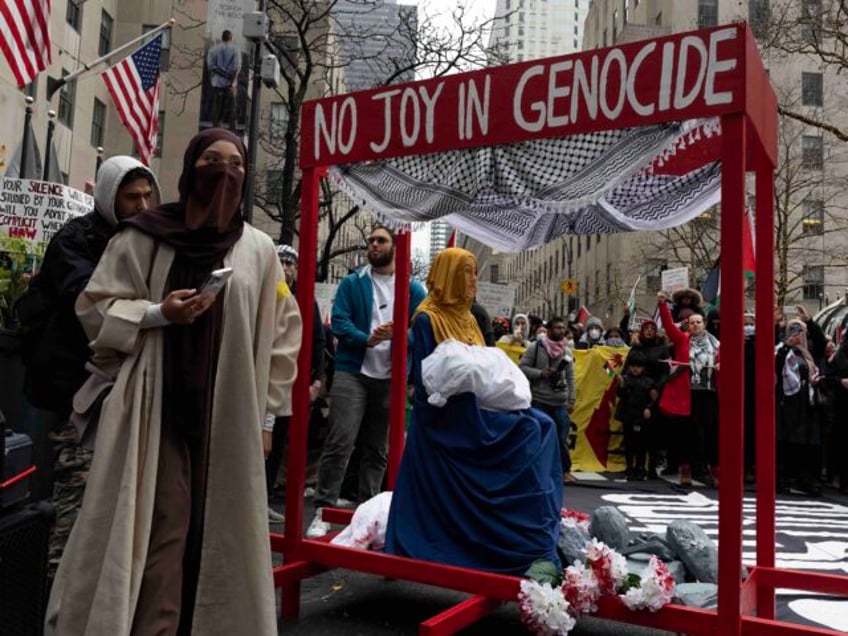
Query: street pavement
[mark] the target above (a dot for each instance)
(352, 603)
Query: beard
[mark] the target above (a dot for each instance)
(381, 259)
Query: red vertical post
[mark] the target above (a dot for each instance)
(765, 379)
(296, 453)
(731, 375)
(400, 336)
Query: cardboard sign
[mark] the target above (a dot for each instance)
(35, 210)
(677, 77)
(674, 279)
(497, 299)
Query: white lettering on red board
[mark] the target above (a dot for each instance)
(547, 95)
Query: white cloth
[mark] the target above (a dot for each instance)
(487, 372)
(367, 529)
(377, 362)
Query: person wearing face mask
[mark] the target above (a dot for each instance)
(178, 471)
(549, 366)
(476, 488)
(515, 344)
(594, 335)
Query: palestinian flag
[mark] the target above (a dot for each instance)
(711, 289)
(609, 369)
(583, 315)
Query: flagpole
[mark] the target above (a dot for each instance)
(54, 84)
(27, 132)
(253, 124)
(51, 126)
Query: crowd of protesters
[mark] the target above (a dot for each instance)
(668, 389)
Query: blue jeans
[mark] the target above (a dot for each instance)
(359, 415)
(559, 414)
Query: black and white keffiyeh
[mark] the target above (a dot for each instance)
(519, 196)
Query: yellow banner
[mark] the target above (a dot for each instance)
(596, 439)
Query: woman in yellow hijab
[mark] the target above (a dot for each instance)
(476, 488)
(452, 283)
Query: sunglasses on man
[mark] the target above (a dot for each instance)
(379, 240)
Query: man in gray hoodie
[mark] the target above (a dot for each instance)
(549, 365)
(55, 348)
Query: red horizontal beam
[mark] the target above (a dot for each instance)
(753, 626)
(289, 573)
(459, 616)
(799, 580)
(497, 586)
(672, 78)
(675, 618)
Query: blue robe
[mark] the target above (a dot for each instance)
(476, 488)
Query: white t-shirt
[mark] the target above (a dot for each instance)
(377, 362)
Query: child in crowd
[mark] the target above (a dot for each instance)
(636, 396)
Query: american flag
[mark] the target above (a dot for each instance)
(134, 86)
(25, 37)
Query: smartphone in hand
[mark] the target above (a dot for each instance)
(216, 281)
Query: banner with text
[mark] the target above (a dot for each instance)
(681, 76)
(35, 210)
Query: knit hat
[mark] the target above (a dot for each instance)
(286, 252)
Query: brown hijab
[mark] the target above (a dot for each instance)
(206, 221)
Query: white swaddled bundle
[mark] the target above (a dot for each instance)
(487, 372)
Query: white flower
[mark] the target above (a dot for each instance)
(544, 609)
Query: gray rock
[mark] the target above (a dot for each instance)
(571, 543)
(652, 545)
(610, 526)
(678, 571)
(697, 551)
(703, 595)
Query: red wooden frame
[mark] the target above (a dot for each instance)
(723, 76)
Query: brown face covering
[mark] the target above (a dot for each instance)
(215, 196)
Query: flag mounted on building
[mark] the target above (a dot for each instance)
(25, 37)
(133, 84)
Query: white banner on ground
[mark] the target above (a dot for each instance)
(35, 210)
(497, 299)
(674, 279)
(325, 294)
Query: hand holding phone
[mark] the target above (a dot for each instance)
(216, 281)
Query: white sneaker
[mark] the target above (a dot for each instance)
(308, 492)
(274, 516)
(345, 503)
(318, 528)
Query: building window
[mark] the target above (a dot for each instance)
(812, 89)
(67, 96)
(160, 135)
(707, 13)
(813, 222)
(811, 20)
(273, 185)
(812, 152)
(813, 282)
(279, 120)
(758, 17)
(98, 123)
(73, 16)
(106, 24)
(494, 273)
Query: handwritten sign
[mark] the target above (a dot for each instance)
(35, 210)
(228, 15)
(675, 279)
(681, 76)
(497, 299)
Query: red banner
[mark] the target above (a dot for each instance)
(682, 76)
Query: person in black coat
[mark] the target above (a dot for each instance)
(636, 396)
(484, 322)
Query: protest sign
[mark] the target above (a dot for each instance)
(497, 299)
(35, 210)
(675, 279)
(325, 294)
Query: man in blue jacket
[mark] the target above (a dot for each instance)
(359, 411)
